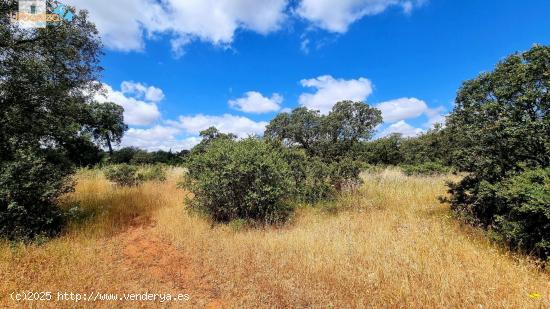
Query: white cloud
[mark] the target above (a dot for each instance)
(255, 102)
(408, 108)
(304, 45)
(329, 91)
(123, 24)
(149, 93)
(337, 15)
(435, 116)
(136, 111)
(158, 138)
(403, 108)
(403, 128)
(238, 125)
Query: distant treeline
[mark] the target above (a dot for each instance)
(91, 156)
(394, 149)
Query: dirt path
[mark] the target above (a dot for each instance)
(149, 258)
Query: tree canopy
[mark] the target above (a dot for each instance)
(331, 135)
(500, 132)
(48, 77)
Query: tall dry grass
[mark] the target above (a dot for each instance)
(87, 258)
(389, 245)
(395, 246)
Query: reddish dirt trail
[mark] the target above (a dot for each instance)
(156, 262)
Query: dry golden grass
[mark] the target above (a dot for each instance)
(391, 245)
(399, 248)
(90, 256)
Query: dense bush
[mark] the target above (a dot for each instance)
(317, 185)
(344, 174)
(247, 179)
(385, 151)
(316, 180)
(123, 175)
(156, 172)
(29, 189)
(427, 168)
(499, 130)
(522, 216)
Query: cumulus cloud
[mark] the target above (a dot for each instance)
(337, 15)
(124, 24)
(255, 102)
(402, 128)
(435, 116)
(158, 138)
(136, 111)
(409, 108)
(149, 93)
(330, 90)
(403, 108)
(227, 123)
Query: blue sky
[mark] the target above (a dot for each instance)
(179, 66)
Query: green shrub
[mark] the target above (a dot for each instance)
(344, 174)
(317, 180)
(247, 179)
(317, 185)
(522, 218)
(156, 172)
(123, 175)
(29, 189)
(427, 168)
(238, 225)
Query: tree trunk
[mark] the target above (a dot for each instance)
(109, 145)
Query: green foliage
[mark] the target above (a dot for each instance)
(247, 179)
(125, 175)
(501, 117)
(386, 150)
(329, 136)
(432, 146)
(83, 152)
(108, 125)
(499, 129)
(427, 168)
(317, 185)
(344, 174)
(134, 155)
(48, 77)
(124, 155)
(142, 157)
(522, 216)
(156, 172)
(208, 136)
(29, 189)
(238, 225)
(316, 180)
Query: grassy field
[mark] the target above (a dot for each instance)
(392, 244)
